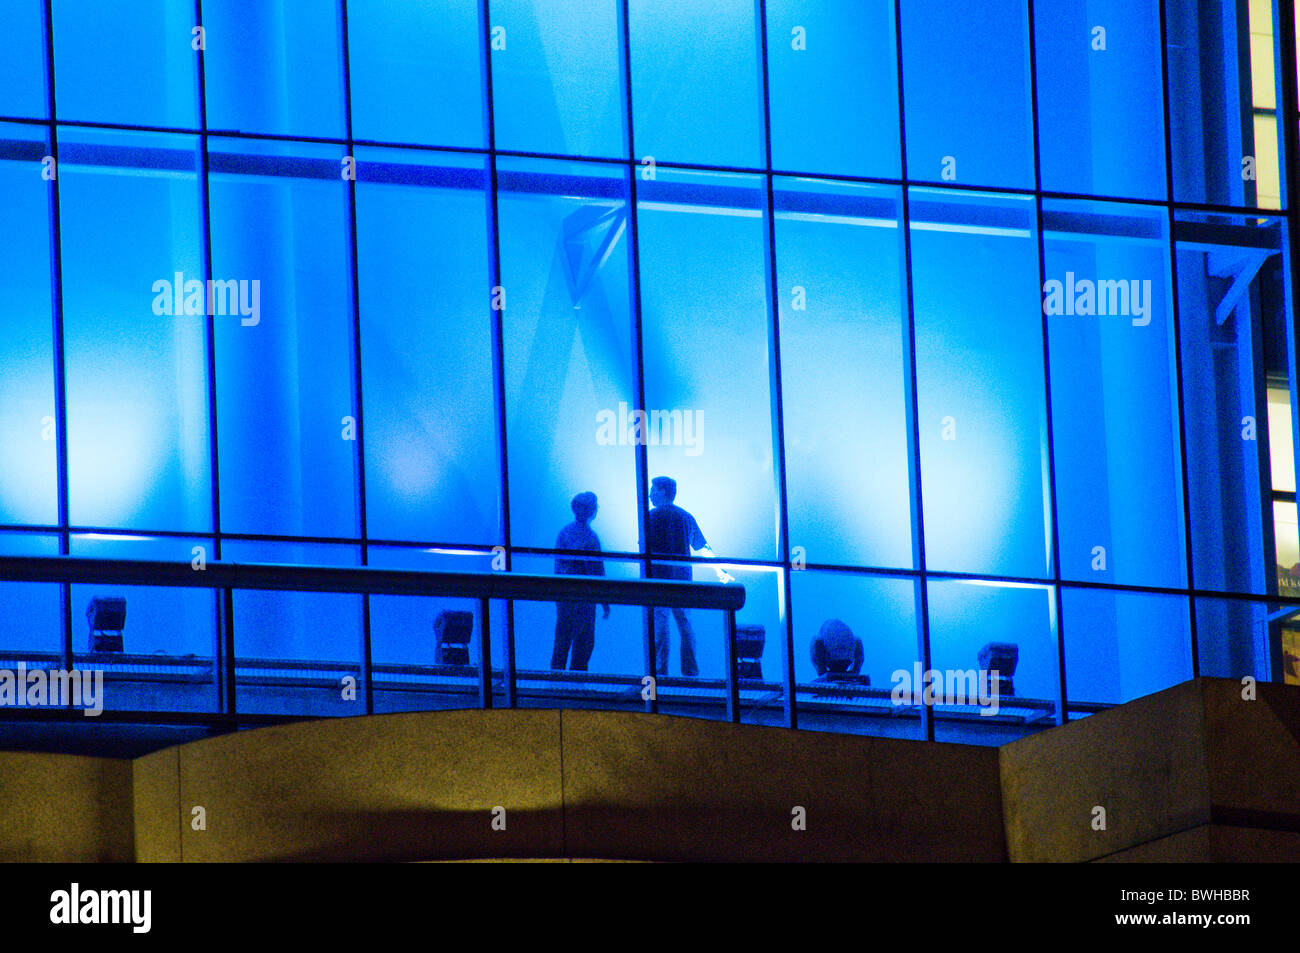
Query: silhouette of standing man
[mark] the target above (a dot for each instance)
(673, 533)
(575, 622)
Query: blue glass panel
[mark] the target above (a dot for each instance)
(274, 66)
(616, 667)
(33, 611)
(696, 91)
(408, 675)
(555, 661)
(609, 673)
(169, 642)
(760, 644)
(295, 650)
(833, 87)
(126, 63)
(1100, 97)
(1122, 645)
(1114, 393)
(22, 61)
(557, 77)
(966, 616)
(416, 72)
(979, 366)
(880, 611)
(843, 341)
(705, 329)
(1233, 309)
(573, 651)
(568, 350)
(284, 361)
(26, 543)
(28, 480)
(432, 461)
(1236, 638)
(966, 80)
(138, 454)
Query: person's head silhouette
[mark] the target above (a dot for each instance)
(663, 490)
(584, 506)
(836, 649)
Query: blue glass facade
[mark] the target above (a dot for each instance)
(967, 324)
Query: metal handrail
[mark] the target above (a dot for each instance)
(375, 581)
(369, 580)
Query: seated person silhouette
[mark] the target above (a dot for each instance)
(836, 651)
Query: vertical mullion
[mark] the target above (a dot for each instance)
(1288, 116)
(1246, 123)
(60, 364)
(498, 352)
(1263, 483)
(732, 682)
(223, 601)
(777, 398)
(1259, 368)
(1058, 605)
(367, 675)
(922, 595)
(226, 635)
(634, 285)
(485, 653)
(1177, 339)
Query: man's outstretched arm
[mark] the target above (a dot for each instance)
(723, 575)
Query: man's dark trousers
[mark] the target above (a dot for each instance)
(575, 624)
